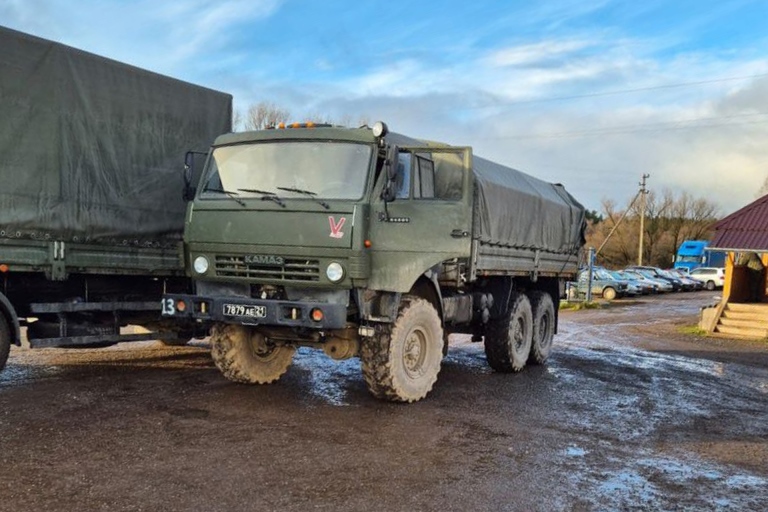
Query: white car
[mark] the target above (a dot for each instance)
(712, 277)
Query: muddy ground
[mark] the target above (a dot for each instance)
(630, 414)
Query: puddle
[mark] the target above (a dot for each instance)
(575, 451)
(329, 378)
(15, 375)
(645, 483)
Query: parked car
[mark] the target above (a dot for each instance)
(660, 285)
(657, 273)
(712, 277)
(682, 274)
(603, 284)
(644, 287)
(686, 285)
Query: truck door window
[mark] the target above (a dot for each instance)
(403, 180)
(430, 176)
(424, 182)
(448, 176)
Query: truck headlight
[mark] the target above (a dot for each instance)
(334, 272)
(200, 265)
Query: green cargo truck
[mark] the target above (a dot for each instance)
(91, 213)
(367, 243)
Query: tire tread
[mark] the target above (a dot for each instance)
(376, 361)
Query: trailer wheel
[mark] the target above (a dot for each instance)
(609, 293)
(543, 326)
(508, 339)
(710, 285)
(243, 354)
(5, 340)
(401, 364)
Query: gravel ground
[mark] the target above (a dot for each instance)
(631, 413)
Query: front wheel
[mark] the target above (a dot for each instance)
(5, 340)
(710, 285)
(401, 364)
(243, 354)
(609, 293)
(508, 339)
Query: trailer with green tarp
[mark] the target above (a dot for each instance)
(91, 217)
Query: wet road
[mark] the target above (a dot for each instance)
(631, 414)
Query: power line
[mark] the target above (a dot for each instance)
(617, 92)
(625, 129)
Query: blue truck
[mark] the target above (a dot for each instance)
(694, 254)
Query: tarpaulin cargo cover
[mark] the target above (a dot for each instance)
(514, 210)
(91, 149)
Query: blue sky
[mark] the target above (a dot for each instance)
(590, 93)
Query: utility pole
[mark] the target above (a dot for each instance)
(643, 192)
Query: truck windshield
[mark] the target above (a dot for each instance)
(301, 170)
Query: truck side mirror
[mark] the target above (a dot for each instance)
(190, 176)
(189, 164)
(390, 167)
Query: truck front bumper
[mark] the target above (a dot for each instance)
(248, 311)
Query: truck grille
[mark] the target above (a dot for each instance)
(292, 269)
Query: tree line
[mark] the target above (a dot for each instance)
(266, 114)
(669, 220)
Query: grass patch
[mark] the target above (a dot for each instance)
(578, 306)
(692, 330)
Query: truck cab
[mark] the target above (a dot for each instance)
(691, 254)
(356, 241)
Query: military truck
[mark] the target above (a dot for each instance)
(368, 243)
(91, 210)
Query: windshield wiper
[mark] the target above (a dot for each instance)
(306, 193)
(257, 191)
(265, 195)
(230, 193)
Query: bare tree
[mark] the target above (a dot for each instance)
(264, 115)
(237, 119)
(668, 221)
(763, 189)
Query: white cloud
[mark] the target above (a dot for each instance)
(545, 105)
(199, 25)
(532, 54)
(162, 36)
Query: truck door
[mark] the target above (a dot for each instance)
(430, 219)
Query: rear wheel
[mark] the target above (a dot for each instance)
(543, 326)
(401, 364)
(710, 285)
(508, 339)
(609, 293)
(5, 340)
(243, 354)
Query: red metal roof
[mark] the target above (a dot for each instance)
(745, 229)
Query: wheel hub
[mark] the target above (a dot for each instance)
(414, 352)
(518, 330)
(260, 348)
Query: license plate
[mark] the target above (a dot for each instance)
(246, 311)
